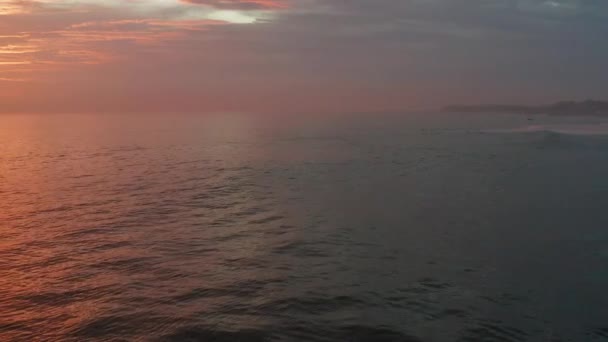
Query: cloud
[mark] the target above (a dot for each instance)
(241, 4)
(94, 42)
(50, 34)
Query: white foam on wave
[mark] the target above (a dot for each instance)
(570, 129)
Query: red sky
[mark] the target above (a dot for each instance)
(295, 55)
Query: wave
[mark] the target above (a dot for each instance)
(568, 129)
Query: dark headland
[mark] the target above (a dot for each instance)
(584, 108)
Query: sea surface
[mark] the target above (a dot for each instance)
(233, 227)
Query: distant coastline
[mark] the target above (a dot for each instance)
(570, 108)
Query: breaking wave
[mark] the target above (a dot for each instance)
(569, 129)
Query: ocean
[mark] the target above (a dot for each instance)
(235, 227)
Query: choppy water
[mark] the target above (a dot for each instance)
(242, 228)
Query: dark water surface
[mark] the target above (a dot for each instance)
(246, 228)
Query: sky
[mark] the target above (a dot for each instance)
(297, 55)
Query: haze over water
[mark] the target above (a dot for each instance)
(413, 227)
